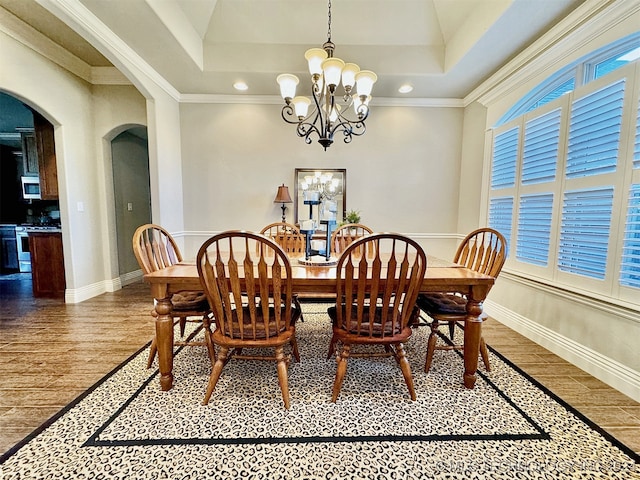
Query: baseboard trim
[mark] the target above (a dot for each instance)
(613, 373)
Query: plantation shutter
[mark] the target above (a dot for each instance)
(636, 150)
(534, 228)
(630, 267)
(584, 232)
(505, 152)
(540, 155)
(501, 215)
(594, 132)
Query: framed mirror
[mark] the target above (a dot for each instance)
(325, 191)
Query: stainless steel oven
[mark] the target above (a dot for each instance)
(24, 257)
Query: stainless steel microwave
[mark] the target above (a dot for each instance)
(31, 188)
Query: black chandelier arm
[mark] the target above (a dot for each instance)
(318, 98)
(305, 129)
(288, 115)
(348, 129)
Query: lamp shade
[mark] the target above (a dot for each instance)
(283, 195)
(288, 85)
(314, 57)
(365, 80)
(349, 75)
(332, 68)
(301, 105)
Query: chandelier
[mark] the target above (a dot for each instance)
(329, 114)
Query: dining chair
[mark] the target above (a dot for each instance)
(155, 249)
(347, 233)
(483, 250)
(286, 235)
(375, 303)
(248, 281)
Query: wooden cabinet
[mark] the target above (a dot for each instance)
(47, 264)
(29, 152)
(8, 248)
(47, 164)
(39, 156)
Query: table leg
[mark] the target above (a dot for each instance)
(164, 341)
(472, 336)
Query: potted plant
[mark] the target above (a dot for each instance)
(352, 216)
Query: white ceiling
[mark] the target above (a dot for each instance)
(444, 48)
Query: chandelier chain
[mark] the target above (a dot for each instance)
(329, 23)
(329, 111)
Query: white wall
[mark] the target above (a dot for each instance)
(403, 174)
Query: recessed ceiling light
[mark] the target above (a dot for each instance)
(406, 88)
(240, 86)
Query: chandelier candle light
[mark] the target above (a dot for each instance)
(329, 115)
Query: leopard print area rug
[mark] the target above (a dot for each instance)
(506, 427)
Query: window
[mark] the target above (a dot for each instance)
(630, 269)
(541, 138)
(500, 215)
(584, 234)
(594, 132)
(565, 178)
(505, 154)
(534, 228)
(585, 70)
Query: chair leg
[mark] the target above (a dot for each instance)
(452, 328)
(294, 349)
(431, 345)
(406, 370)
(340, 372)
(211, 351)
(283, 376)
(153, 349)
(215, 373)
(485, 354)
(332, 347)
(183, 324)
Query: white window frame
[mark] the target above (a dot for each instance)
(608, 289)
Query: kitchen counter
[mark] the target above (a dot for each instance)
(30, 228)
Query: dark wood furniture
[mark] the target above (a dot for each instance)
(375, 305)
(484, 250)
(47, 163)
(155, 249)
(439, 277)
(248, 281)
(47, 264)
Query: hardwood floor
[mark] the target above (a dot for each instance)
(50, 352)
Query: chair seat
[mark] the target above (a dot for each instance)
(442, 303)
(377, 323)
(261, 332)
(189, 300)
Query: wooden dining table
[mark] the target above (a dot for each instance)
(440, 276)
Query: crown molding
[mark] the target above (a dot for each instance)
(108, 76)
(578, 28)
(80, 18)
(276, 100)
(39, 43)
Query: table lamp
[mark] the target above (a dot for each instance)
(283, 197)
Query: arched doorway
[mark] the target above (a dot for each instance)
(132, 194)
(27, 158)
